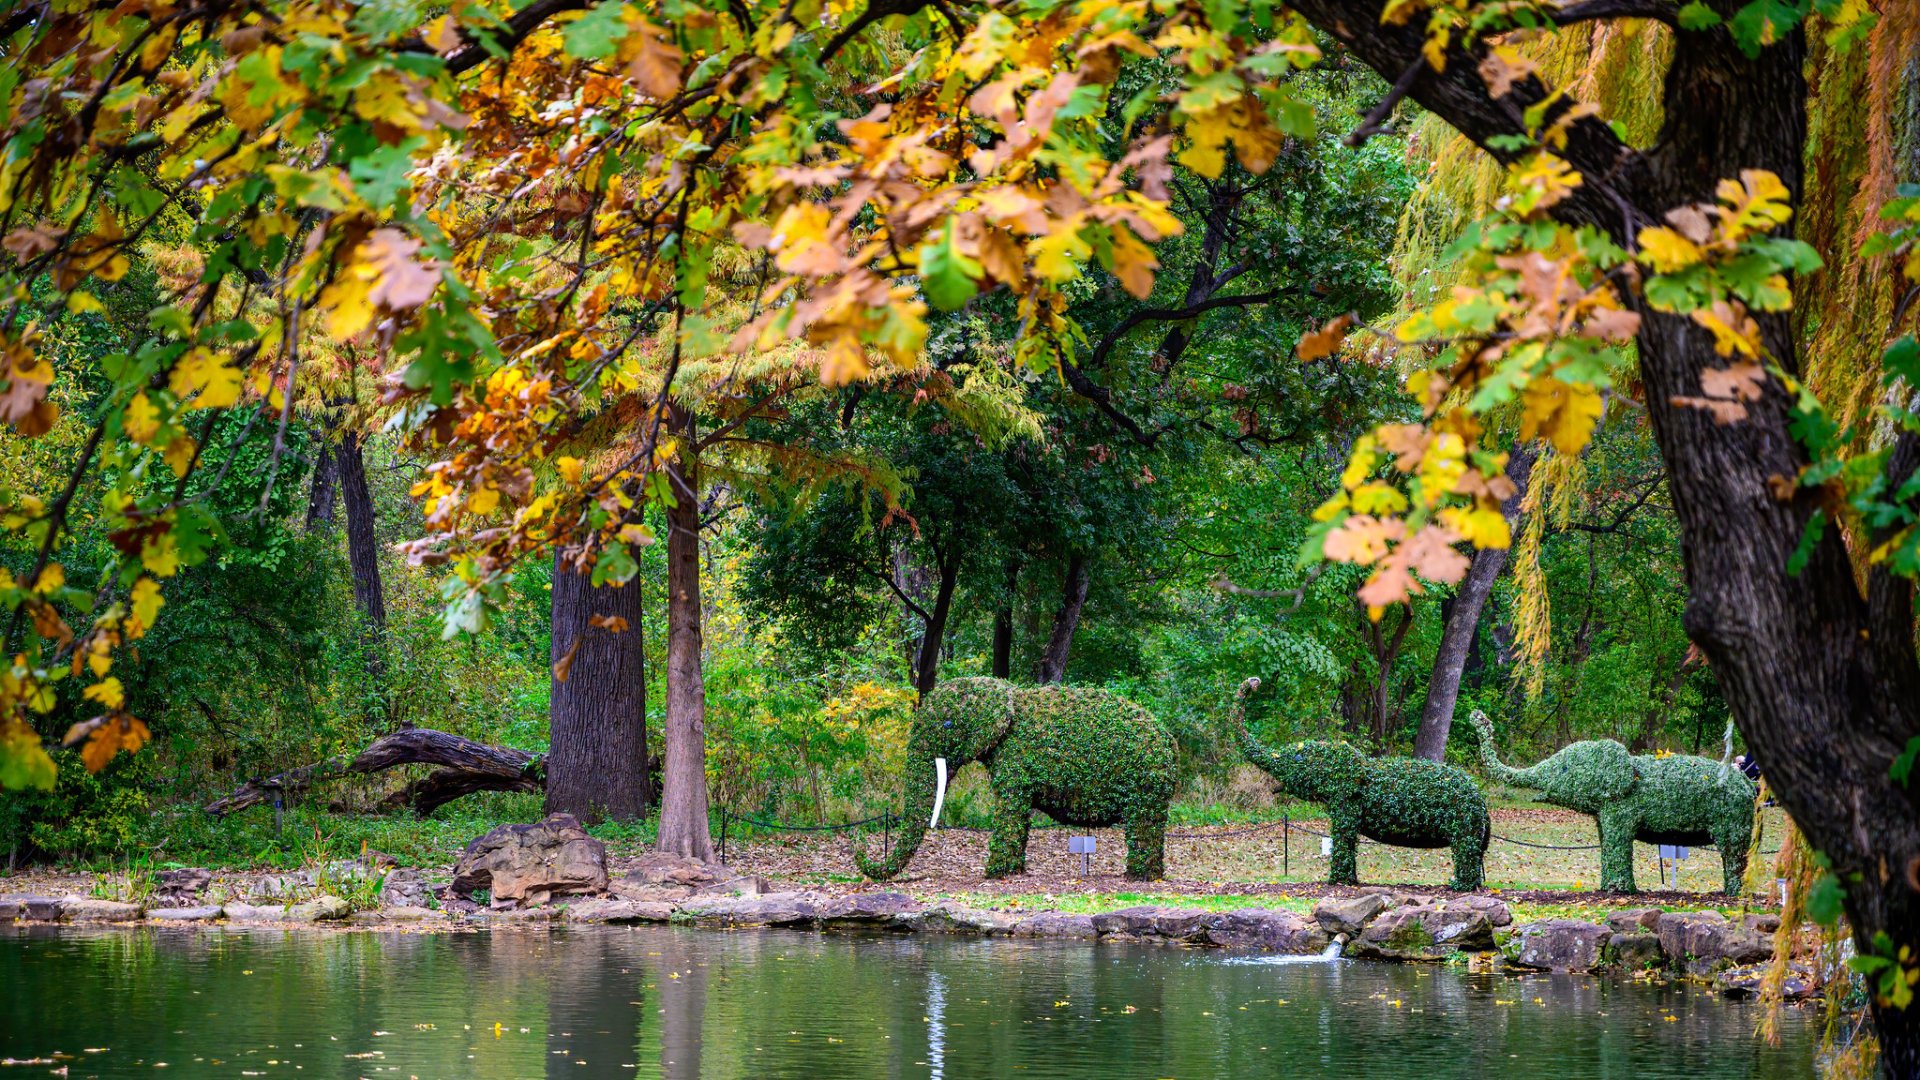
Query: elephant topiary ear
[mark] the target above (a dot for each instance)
(1613, 770)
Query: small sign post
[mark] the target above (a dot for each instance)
(1676, 853)
(1083, 847)
(1326, 847)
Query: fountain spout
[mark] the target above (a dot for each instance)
(1332, 951)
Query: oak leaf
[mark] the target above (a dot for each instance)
(1325, 341)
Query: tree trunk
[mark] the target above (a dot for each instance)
(1003, 624)
(927, 667)
(320, 495)
(597, 716)
(465, 767)
(1053, 660)
(363, 548)
(1824, 681)
(683, 802)
(1463, 624)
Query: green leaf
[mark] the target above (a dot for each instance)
(1698, 16)
(1902, 359)
(596, 34)
(1825, 898)
(615, 564)
(948, 276)
(1816, 528)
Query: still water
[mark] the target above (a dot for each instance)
(670, 1002)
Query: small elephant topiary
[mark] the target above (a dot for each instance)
(1679, 799)
(1401, 802)
(1082, 756)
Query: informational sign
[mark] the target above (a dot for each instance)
(1673, 852)
(1326, 847)
(1083, 847)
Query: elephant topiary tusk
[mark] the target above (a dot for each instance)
(939, 790)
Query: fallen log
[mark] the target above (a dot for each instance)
(465, 767)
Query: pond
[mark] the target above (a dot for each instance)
(672, 1002)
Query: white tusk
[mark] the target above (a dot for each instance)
(939, 791)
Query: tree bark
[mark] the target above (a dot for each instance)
(320, 494)
(597, 716)
(1823, 680)
(1463, 624)
(1003, 624)
(683, 803)
(1053, 660)
(927, 666)
(363, 547)
(466, 767)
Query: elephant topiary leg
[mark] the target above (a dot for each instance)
(1007, 845)
(1345, 866)
(1616, 852)
(1469, 864)
(1732, 843)
(1147, 846)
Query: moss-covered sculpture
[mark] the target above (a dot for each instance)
(1083, 757)
(1678, 799)
(1402, 802)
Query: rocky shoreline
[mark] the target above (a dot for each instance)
(551, 873)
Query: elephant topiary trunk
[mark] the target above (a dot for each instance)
(1677, 799)
(1402, 802)
(1083, 757)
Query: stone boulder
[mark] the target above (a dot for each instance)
(625, 889)
(948, 917)
(1635, 951)
(1745, 981)
(82, 909)
(1495, 909)
(181, 888)
(1559, 945)
(1349, 914)
(774, 909)
(675, 870)
(1634, 920)
(406, 914)
(619, 911)
(255, 912)
(322, 908)
(869, 909)
(748, 885)
(406, 888)
(531, 864)
(1056, 924)
(1424, 932)
(1148, 923)
(1702, 942)
(202, 913)
(1266, 929)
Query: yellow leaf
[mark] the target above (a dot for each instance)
(179, 454)
(484, 500)
(52, 577)
(161, 555)
(569, 468)
(1482, 526)
(147, 603)
(1666, 251)
(107, 692)
(82, 302)
(1207, 134)
(1133, 263)
(1562, 413)
(142, 420)
(1057, 255)
(1376, 497)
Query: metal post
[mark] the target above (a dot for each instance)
(886, 833)
(723, 836)
(279, 809)
(1286, 844)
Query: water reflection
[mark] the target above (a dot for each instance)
(663, 1002)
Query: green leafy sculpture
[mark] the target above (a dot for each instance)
(1082, 756)
(1403, 802)
(1679, 799)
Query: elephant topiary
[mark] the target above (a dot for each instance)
(1656, 800)
(1402, 802)
(1082, 756)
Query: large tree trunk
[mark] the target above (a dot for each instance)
(683, 803)
(363, 547)
(1003, 624)
(1463, 624)
(927, 666)
(597, 716)
(1053, 659)
(1823, 680)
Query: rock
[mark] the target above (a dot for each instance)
(279, 886)
(530, 864)
(619, 911)
(41, 908)
(182, 888)
(1056, 924)
(1494, 908)
(1634, 952)
(1700, 942)
(255, 912)
(1423, 932)
(12, 907)
(406, 888)
(1745, 980)
(871, 908)
(1264, 928)
(406, 914)
(1349, 914)
(628, 890)
(675, 870)
(1762, 924)
(1153, 923)
(750, 885)
(1634, 919)
(1560, 945)
(203, 913)
(948, 917)
(82, 909)
(774, 909)
(322, 908)
(532, 916)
